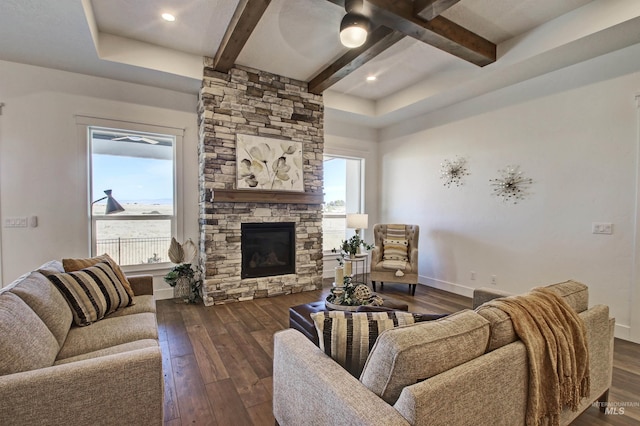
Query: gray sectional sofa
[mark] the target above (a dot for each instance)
(56, 373)
(466, 368)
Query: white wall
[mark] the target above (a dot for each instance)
(574, 132)
(43, 162)
(355, 141)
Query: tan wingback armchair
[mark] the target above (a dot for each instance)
(395, 270)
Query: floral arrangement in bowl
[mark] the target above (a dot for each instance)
(353, 294)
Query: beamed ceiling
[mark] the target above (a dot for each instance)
(391, 21)
(425, 54)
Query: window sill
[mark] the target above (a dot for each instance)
(152, 268)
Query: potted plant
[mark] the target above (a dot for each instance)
(351, 247)
(182, 277)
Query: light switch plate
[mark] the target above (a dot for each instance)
(16, 222)
(602, 228)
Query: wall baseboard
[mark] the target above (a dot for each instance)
(622, 332)
(446, 286)
(163, 293)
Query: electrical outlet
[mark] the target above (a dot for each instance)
(473, 275)
(493, 280)
(602, 228)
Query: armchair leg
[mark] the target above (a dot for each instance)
(413, 289)
(381, 285)
(373, 284)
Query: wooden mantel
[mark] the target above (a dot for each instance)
(251, 196)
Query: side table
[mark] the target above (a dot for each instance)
(357, 262)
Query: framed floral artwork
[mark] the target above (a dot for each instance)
(268, 164)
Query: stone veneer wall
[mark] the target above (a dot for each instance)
(252, 102)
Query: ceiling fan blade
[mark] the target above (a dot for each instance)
(136, 139)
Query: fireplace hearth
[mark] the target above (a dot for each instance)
(268, 249)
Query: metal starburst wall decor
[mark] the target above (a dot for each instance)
(453, 172)
(512, 186)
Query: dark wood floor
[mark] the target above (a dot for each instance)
(218, 360)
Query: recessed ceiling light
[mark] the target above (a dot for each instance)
(372, 78)
(168, 17)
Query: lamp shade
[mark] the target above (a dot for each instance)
(112, 205)
(357, 221)
(354, 29)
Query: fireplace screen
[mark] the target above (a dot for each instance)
(268, 249)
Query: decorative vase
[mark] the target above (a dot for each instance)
(182, 289)
(339, 278)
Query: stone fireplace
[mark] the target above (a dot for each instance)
(252, 102)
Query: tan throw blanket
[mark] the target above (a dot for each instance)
(555, 338)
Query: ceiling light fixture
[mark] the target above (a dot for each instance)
(168, 17)
(372, 78)
(354, 27)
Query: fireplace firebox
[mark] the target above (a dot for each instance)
(268, 249)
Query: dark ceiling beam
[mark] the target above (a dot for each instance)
(438, 32)
(378, 41)
(429, 9)
(242, 24)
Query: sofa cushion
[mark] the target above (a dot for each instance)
(574, 293)
(501, 326)
(52, 267)
(91, 293)
(72, 265)
(407, 355)
(46, 301)
(111, 350)
(141, 304)
(26, 343)
(109, 332)
(502, 332)
(348, 337)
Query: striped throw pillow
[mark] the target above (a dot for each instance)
(396, 232)
(348, 337)
(92, 292)
(395, 250)
(72, 265)
(395, 245)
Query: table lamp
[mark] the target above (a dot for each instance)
(357, 221)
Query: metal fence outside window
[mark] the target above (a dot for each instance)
(135, 251)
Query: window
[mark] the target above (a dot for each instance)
(343, 184)
(139, 169)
